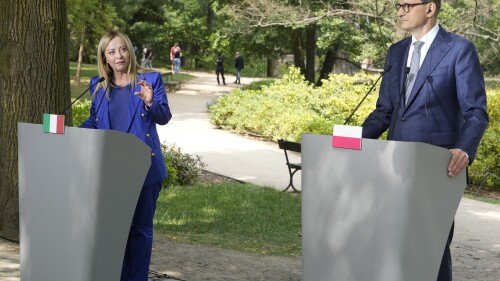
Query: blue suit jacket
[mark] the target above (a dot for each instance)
(142, 122)
(447, 105)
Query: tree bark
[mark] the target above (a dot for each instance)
(80, 58)
(327, 66)
(310, 53)
(34, 79)
(272, 67)
(298, 54)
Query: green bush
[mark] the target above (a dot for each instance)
(183, 169)
(291, 106)
(485, 171)
(81, 110)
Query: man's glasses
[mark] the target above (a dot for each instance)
(407, 7)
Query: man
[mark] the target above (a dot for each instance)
(238, 64)
(219, 68)
(440, 97)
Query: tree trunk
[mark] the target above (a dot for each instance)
(310, 53)
(298, 54)
(272, 67)
(80, 58)
(210, 17)
(327, 67)
(34, 79)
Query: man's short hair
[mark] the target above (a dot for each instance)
(437, 2)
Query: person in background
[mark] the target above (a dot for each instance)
(219, 68)
(149, 58)
(238, 64)
(172, 49)
(434, 93)
(177, 54)
(144, 52)
(132, 100)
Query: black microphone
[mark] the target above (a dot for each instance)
(386, 69)
(98, 81)
(401, 98)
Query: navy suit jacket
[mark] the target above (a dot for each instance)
(447, 105)
(142, 122)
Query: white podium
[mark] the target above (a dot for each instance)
(379, 214)
(77, 197)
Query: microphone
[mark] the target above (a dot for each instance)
(98, 81)
(402, 98)
(386, 69)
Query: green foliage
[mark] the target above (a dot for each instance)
(183, 168)
(81, 111)
(258, 85)
(233, 216)
(485, 170)
(291, 106)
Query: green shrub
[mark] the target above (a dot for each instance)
(485, 171)
(81, 110)
(183, 168)
(291, 106)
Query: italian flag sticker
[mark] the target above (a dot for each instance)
(53, 124)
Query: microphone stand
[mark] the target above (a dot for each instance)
(369, 91)
(98, 81)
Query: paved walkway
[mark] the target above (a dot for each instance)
(476, 246)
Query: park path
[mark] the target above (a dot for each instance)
(240, 157)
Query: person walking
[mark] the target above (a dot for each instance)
(132, 100)
(433, 93)
(177, 54)
(219, 68)
(149, 58)
(238, 65)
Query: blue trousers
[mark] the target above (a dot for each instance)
(445, 270)
(140, 239)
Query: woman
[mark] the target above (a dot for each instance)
(177, 58)
(132, 100)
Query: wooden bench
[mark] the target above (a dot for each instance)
(292, 167)
(170, 83)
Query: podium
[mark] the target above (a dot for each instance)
(77, 197)
(382, 213)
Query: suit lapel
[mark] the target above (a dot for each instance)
(133, 106)
(403, 58)
(439, 48)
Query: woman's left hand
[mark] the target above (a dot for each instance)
(146, 93)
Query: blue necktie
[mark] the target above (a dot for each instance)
(414, 66)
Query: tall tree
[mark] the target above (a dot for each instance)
(34, 78)
(87, 21)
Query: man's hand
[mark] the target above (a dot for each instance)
(459, 160)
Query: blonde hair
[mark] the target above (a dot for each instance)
(105, 71)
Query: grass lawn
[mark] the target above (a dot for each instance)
(242, 217)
